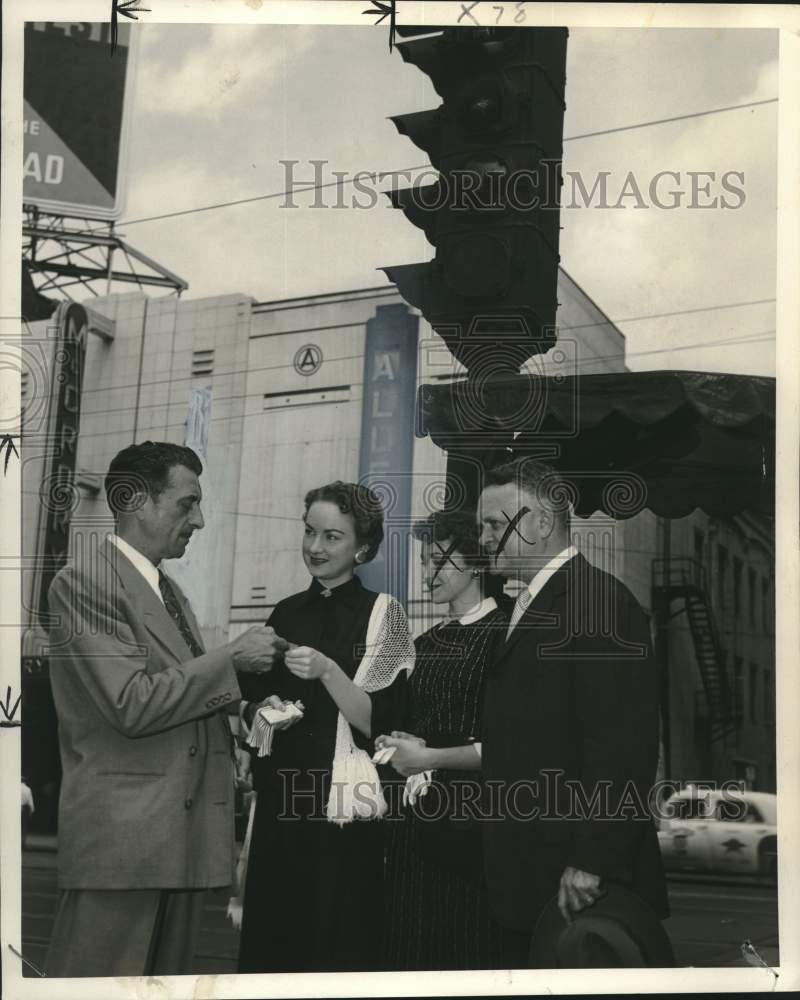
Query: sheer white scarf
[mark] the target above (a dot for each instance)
(355, 786)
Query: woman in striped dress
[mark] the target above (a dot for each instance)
(436, 909)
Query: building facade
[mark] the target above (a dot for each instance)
(286, 410)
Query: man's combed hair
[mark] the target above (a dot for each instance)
(142, 470)
(363, 506)
(540, 481)
(458, 526)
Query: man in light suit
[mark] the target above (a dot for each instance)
(570, 721)
(146, 806)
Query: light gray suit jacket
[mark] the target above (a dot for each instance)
(147, 789)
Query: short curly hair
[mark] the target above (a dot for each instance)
(361, 504)
(459, 526)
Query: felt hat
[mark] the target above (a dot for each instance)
(619, 930)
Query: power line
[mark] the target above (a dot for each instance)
(426, 166)
(351, 357)
(674, 312)
(302, 189)
(213, 375)
(674, 118)
(761, 337)
(754, 338)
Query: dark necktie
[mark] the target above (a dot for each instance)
(175, 610)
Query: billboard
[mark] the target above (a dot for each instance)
(75, 97)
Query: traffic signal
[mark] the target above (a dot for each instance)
(493, 213)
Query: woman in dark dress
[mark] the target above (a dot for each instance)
(314, 878)
(436, 912)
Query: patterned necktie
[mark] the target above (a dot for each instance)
(524, 598)
(172, 605)
(175, 611)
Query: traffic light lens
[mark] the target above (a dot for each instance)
(482, 168)
(476, 266)
(482, 112)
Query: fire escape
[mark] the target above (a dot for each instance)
(685, 579)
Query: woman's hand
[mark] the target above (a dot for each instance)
(380, 741)
(399, 735)
(411, 755)
(308, 664)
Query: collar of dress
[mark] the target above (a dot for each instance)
(474, 614)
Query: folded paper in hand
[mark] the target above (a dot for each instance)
(384, 755)
(263, 729)
(417, 785)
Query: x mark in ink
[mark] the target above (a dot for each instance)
(446, 558)
(511, 529)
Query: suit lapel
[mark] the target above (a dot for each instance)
(154, 615)
(539, 614)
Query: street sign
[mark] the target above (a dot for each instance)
(76, 98)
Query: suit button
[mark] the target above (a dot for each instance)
(187, 804)
(192, 751)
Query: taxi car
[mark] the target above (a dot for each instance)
(720, 831)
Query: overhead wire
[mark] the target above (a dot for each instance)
(306, 188)
(761, 337)
(350, 357)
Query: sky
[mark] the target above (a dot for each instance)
(216, 108)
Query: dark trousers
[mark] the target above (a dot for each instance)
(515, 946)
(113, 932)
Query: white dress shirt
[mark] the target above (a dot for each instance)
(541, 576)
(141, 562)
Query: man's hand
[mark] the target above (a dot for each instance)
(255, 651)
(308, 664)
(578, 889)
(411, 755)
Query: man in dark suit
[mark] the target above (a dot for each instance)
(146, 806)
(571, 718)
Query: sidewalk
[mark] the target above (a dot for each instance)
(709, 919)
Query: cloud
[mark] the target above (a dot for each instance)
(218, 106)
(639, 261)
(214, 67)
